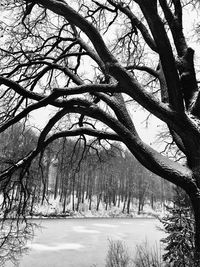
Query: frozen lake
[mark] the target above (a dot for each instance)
(84, 242)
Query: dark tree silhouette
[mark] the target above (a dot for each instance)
(87, 58)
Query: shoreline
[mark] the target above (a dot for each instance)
(97, 216)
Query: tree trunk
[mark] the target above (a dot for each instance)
(33, 200)
(56, 186)
(64, 203)
(98, 201)
(106, 201)
(83, 188)
(43, 192)
(119, 198)
(128, 203)
(152, 201)
(90, 201)
(124, 206)
(73, 194)
(78, 203)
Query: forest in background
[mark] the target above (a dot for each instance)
(80, 175)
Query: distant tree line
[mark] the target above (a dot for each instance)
(78, 173)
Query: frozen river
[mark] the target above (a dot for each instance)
(84, 242)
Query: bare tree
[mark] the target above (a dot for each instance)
(13, 240)
(91, 58)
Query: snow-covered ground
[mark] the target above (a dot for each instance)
(54, 208)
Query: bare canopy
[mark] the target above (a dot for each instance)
(91, 58)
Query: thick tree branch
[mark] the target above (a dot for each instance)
(19, 89)
(131, 87)
(83, 131)
(137, 92)
(144, 68)
(117, 104)
(150, 12)
(87, 88)
(179, 122)
(175, 24)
